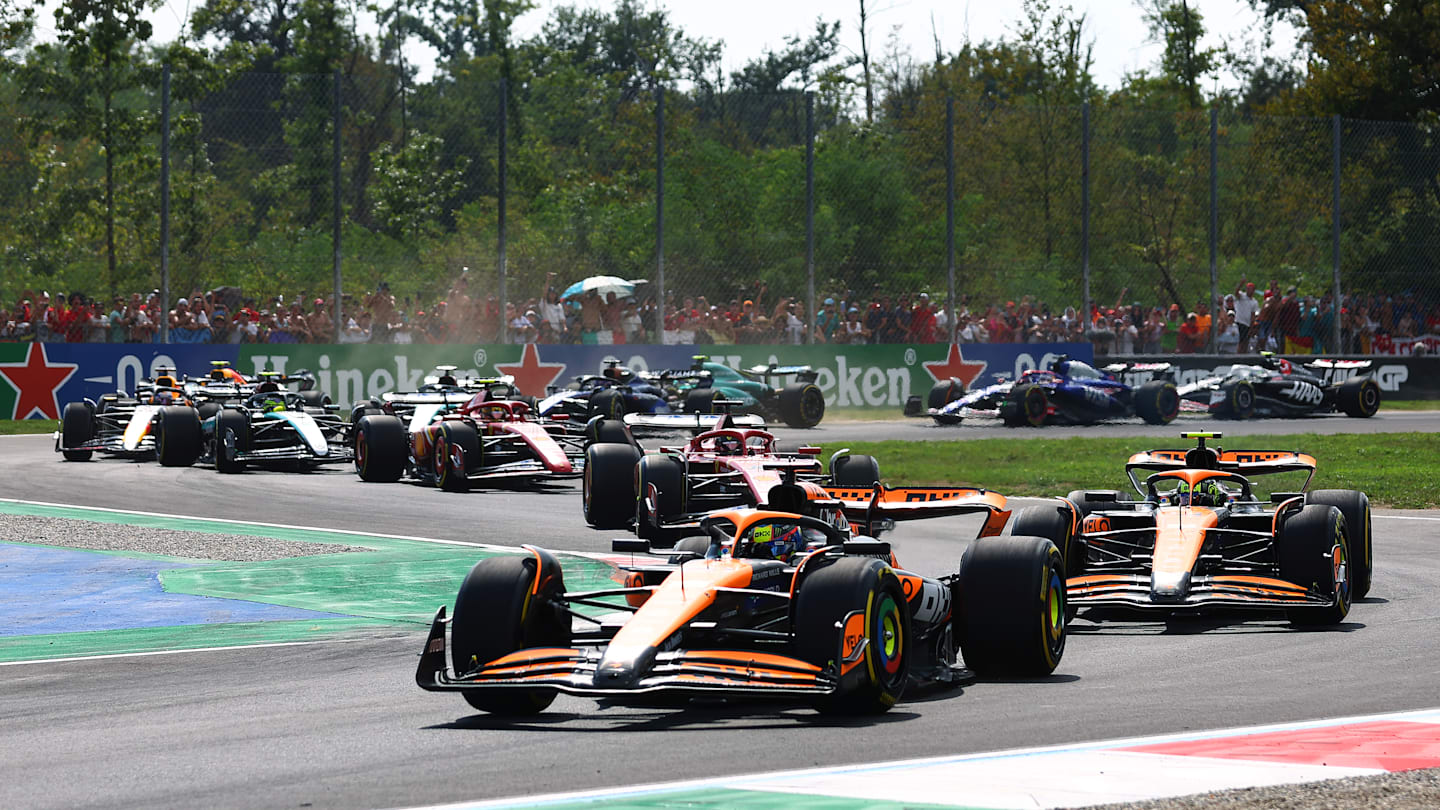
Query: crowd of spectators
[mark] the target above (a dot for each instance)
(1249, 320)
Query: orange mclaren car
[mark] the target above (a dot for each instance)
(1205, 533)
(788, 601)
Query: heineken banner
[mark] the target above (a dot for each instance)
(37, 379)
(850, 376)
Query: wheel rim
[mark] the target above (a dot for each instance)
(890, 641)
(1341, 569)
(361, 454)
(1035, 406)
(1169, 403)
(438, 461)
(1370, 397)
(1055, 613)
(812, 405)
(1244, 398)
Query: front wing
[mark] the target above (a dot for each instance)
(1233, 591)
(573, 671)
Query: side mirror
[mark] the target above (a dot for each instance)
(632, 545)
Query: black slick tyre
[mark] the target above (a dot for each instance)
(177, 439)
(496, 614)
(854, 471)
(604, 430)
(314, 398)
(77, 426)
(1027, 405)
(381, 448)
(1312, 552)
(802, 405)
(943, 393)
(232, 430)
(701, 400)
(457, 452)
(1010, 616)
(667, 473)
(205, 410)
(606, 402)
(1086, 505)
(608, 485)
(1239, 399)
(851, 593)
(1359, 397)
(1157, 402)
(1355, 506)
(1054, 523)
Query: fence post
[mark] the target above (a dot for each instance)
(335, 199)
(1335, 232)
(659, 212)
(501, 266)
(810, 217)
(165, 204)
(951, 304)
(1085, 211)
(1214, 224)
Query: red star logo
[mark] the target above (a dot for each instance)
(531, 375)
(35, 382)
(955, 365)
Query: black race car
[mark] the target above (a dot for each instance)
(1278, 387)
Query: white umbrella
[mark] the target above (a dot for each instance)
(600, 285)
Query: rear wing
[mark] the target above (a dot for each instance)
(1244, 462)
(694, 422)
(801, 373)
(870, 507)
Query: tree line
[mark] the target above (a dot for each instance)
(253, 99)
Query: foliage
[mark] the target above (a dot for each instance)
(253, 132)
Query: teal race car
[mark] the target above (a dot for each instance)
(711, 387)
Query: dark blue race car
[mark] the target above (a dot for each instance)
(1069, 392)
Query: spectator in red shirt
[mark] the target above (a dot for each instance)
(922, 321)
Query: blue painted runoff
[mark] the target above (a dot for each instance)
(50, 590)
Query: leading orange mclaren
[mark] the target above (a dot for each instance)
(789, 601)
(1206, 536)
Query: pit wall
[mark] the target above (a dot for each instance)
(36, 380)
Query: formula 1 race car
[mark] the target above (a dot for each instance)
(439, 393)
(712, 387)
(121, 425)
(786, 602)
(272, 427)
(483, 439)
(1202, 537)
(649, 401)
(1069, 392)
(664, 494)
(613, 393)
(1278, 387)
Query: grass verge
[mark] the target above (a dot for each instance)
(1396, 470)
(18, 427)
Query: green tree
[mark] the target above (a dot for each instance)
(88, 81)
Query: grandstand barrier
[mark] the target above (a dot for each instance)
(36, 380)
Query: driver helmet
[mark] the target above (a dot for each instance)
(272, 404)
(1207, 493)
(729, 446)
(778, 541)
(164, 397)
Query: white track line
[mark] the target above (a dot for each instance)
(742, 782)
(177, 652)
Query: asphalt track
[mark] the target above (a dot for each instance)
(341, 724)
